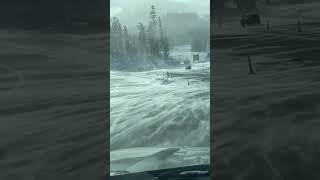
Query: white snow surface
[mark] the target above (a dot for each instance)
(52, 105)
(268, 119)
(145, 111)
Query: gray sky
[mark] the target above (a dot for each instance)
(130, 12)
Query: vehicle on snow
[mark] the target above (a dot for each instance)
(250, 19)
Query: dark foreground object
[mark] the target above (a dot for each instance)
(200, 172)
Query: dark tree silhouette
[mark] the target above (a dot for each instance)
(152, 33)
(164, 44)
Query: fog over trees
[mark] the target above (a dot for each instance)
(149, 44)
(143, 49)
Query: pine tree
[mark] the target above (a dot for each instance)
(114, 38)
(150, 43)
(142, 34)
(153, 20)
(152, 35)
(142, 40)
(117, 41)
(126, 42)
(164, 45)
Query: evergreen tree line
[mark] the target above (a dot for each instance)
(151, 42)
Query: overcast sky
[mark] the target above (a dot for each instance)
(130, 12)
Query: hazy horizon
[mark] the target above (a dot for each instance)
(131, 12)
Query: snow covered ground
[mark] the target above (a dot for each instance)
(266, 125)
(149, 109)
(52, 115)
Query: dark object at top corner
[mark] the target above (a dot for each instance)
(59, 14)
